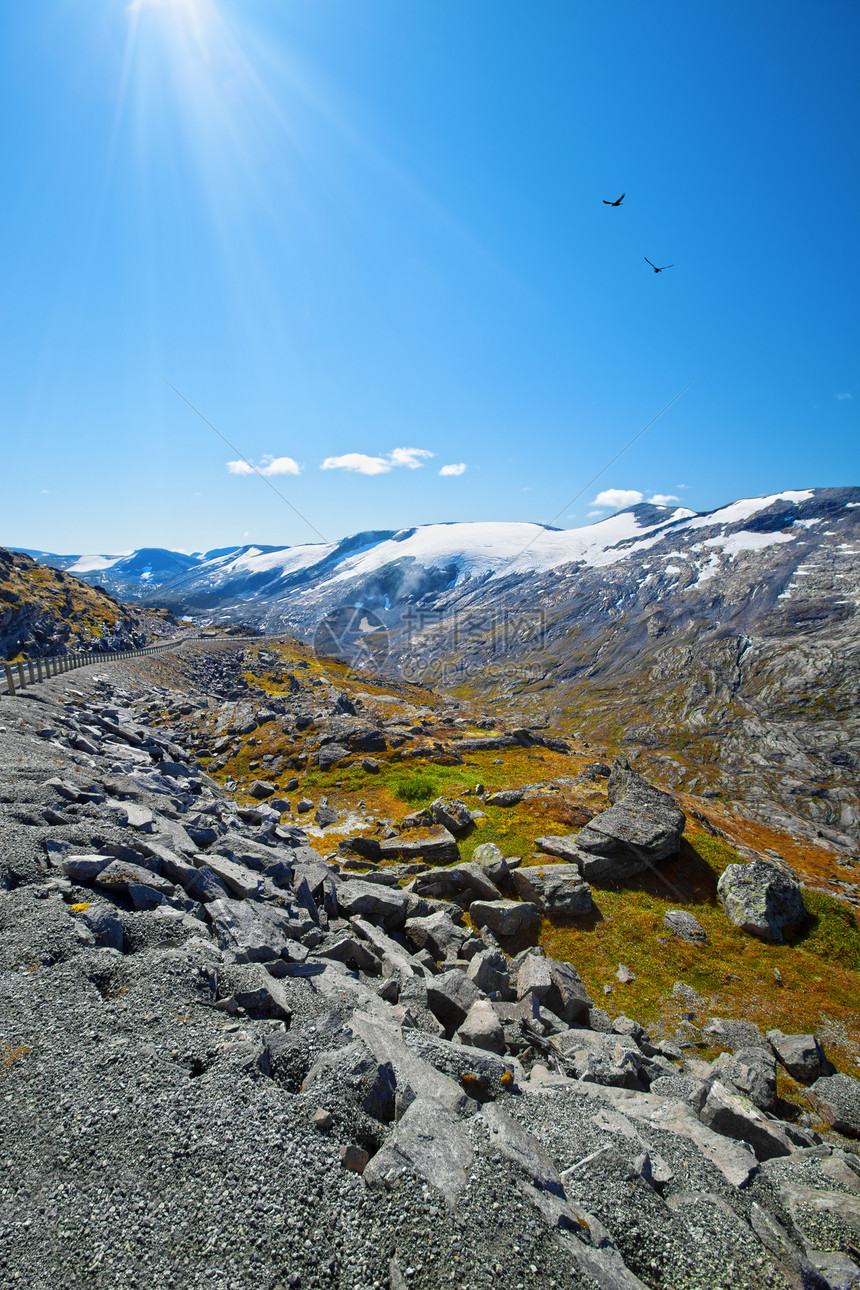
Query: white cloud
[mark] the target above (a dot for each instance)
(361, 464)
(358, 462)
(269, 465)
(456, 468)
(590, 516)
(280, 466)
(844, 395)
(663, 499)
(411, 457)
(616, 497)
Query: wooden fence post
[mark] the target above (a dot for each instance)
(10, 680)
(21, 678)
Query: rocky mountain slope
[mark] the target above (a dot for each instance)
(297, 992)
(44, 612)
(722, 646)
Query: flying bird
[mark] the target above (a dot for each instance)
(662, 266)
(618, 203)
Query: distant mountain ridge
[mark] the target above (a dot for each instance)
(722, 648)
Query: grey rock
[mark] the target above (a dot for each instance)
(372, 901)
(736, 1117)
(358, 1075)
(350, 950)
(839, 1271)
(205, 885)
(685, 926)
(453, 815)
(435, 845)
(104, 922)
(326, 815)
(482, 1028)
(823, 1218)
(836, 1098)
(733, 1159)
(261, 995)
(436, 932)
(802, 1056)
(119, 875)
(504, 917)
(505, 797)
(567, 996)
(84, 868)
(428, 1142)
(260, 790)
(533, 976)
(488, 970)
(752, 1071)
(239, 880)
(761, 899)
(415, 1077)
(467, 877)
(253, 932)
(491, 860)
(643, 825)
(144, 897)
(354, 1158)
(555, 888)
(450, 996)
(396, 960)
(330, 755)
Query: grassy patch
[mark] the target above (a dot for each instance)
(416, 788)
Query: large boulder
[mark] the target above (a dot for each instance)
(437, 933)
(752, 1071)
(643, 825)
(761, 899)
(556, 888)
(802, 1056)
(491, 860)
(736, 1117)
(836, 1098)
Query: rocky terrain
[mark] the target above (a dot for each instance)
(721, 646)
(313, 978)
(44, 612)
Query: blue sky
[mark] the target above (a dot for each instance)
(369, 235)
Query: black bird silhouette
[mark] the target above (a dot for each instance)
(618, 203)
(654, 266)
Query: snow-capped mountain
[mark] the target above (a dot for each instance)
(723, 646)
(664, 549)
